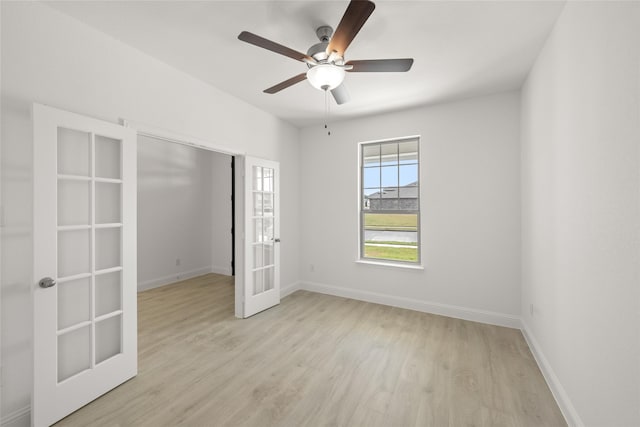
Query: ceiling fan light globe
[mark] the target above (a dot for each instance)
(325, 76)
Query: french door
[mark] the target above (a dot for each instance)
(262, 235)
(85, 320)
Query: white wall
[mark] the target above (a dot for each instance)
(581, 212)
(470, 210)
(182, 208)
(50, 58)
(221, 211)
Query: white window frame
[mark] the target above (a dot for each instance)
(361, 240)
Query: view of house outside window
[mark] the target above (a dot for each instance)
(390, 200)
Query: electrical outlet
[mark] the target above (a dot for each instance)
(177, 261)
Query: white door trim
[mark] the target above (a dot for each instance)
(179, 138)
(142, 129)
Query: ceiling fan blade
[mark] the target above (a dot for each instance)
(353, 19)
(341, 94)
(285, 84)
(256, 40)
(380, 65)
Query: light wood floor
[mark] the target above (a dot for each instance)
(318, 360)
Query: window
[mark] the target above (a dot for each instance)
(390, 201)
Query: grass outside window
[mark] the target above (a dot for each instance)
(393, 250)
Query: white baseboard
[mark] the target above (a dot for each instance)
(558, 391)
(289, 289)
(221, 270)
(19, 418)
(457, 312)
(162, 281)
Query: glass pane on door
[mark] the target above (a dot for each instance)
(267, 179)
(74, 153)
(267, 201)
(257, 178)
(107, 248)
(267, 230)
(74, 300)
(257, 230)
(74, 250)
(108, 203)
(257, 256)
(258, 286)
(74, 352)
(107, 157)
(108, 293)
(268, 254)
(257, 203)
(108, 338)
(74, 202)
(268, 278)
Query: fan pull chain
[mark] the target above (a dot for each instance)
(326, 111)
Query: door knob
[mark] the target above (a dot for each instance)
(47, 282)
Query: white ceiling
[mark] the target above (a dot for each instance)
(461, 49)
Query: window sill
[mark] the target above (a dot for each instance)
(390, 264)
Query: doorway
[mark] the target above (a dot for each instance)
(185, 212)
(254, 234)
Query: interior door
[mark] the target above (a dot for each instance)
(262, 235)
(85, 320)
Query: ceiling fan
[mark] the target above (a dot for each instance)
(327, 66)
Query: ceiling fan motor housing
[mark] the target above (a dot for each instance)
(319, 50)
